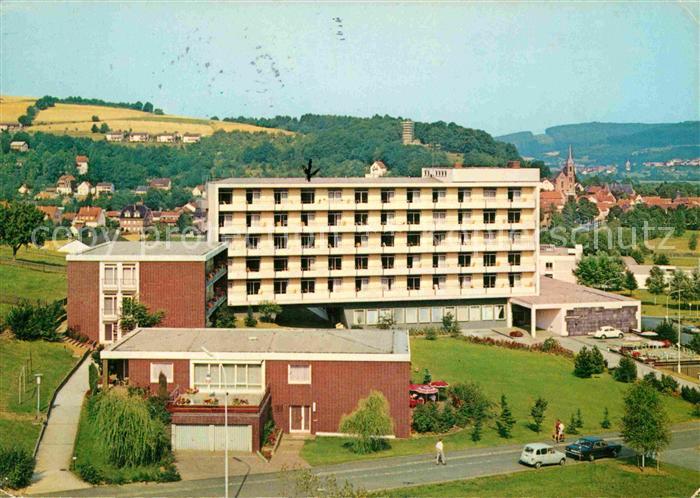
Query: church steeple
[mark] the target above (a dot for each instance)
(569, 167)
(571, 154)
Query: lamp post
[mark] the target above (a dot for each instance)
(38, 395)
(223, 370)
(678, 345)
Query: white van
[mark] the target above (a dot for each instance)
(538, 454)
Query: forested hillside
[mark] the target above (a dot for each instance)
(341, 146)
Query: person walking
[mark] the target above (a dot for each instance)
(560, 433)
(555, 436)
(440, 453)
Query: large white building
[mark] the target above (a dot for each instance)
(459, 241)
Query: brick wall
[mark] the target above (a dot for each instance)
(177, 288)
(140, 374)
(581, 321)
(84, 298)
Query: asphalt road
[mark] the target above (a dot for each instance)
(388, 473)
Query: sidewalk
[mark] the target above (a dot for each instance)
(56, 449)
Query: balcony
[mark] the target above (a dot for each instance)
(110, 313)
(216, 301)
(110, 283)
(216, 273)
(129, 283)
(186, 403)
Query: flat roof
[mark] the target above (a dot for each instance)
(557, 292)
(260, 344)
(301, 181)
(174, 250)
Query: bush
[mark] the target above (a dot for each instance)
(385, 322)
(505, 421)
(537, 413)
(158, 409)
(447, 418)
(427, 378)
(30, 322)
(572, 428)
(550, 344)
(690, 394)
(666, 331)
(16, 467)
(626, 370)
(88, 473)
(267, 309)
(652, 380)
(430, 334)
(368, 423)
(583, 363)
(268, 430)
(579, 419)
(450, 325)
(598, 363)
(605, 423)
(92, 378)
(668, 384)
(250, 320)
(168, 473)
(661, 259)
(470, 403)
(224, 318)
(426, 418)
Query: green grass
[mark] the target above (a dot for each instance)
(520, 375)
(52, 360)
(604, 478)
(658, 308)
(26, 283)
(676, 248)
(35, 255)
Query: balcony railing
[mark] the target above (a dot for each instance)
(216, 273)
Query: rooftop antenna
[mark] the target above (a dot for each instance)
(309, 172)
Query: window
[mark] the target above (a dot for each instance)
(252, 241)
(228, 375)
(439, 282)
(109, 305)
(424, 315)
(439, 260)
(361, 239)
(513, 216)
(334, 218)
(335, 263)
(252, 264)
(465, 237)
(490, 216)
(474, 313)
(281, 195)
(252, 219)
(110, 275)
(490, 193)
(464, 194)
(308, 196)
(280, 219)
(413, 217)
(372, 317)
(387, 240)
(412, 195)
(515, 235)
(413, 283)
(436, 314)
(387, 218)
(489, 259)
(335, 195)
(490, 235)
(361, 262)
(299, 374)
(413, 260)
(165, 368)
(280, 286)
(361, 218)
(308, 286)
(387, 283)
(514, 193)
(549, 265)
(280, 240)
(439, 194)
(464, 259)
(361, 284)
(361, 196)
(387, 195)
(335, 284)
(514, 279)
(439, 216)
(413, 239)
(308, 240)
(399, 315)
(464, 216)
(514, 258)
(307, 263)
(499, 312)
(335, 239)
(465, 281)
(129, 275)
(252, 287)
(387, 262)
(281, 264)
(252, 195)
(358, 317)
(411, 315)
(111, 331)
(487, 312)
(307, 218)
(489, 280)
(439, 238)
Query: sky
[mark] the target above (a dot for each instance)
(502, 66)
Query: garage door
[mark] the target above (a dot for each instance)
(212, 437)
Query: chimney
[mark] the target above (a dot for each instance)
(513, 164)
(458, 165)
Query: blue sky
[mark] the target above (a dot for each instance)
(502, 67)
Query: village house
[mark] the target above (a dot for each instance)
(141, 190)
(84, 189)
(139, 136)
(199, 191)
(53, 214)
(191, 138)
(161, 184)
(166, 138)
(377, 170)
(112, 215)
(114, 136)
(81, 164)
(47, 194)
(89, 216)
(23, 189)
(135, 218)
(166, 217)
(65, 185)
(103, 188)
(19, 146)
(10, 127)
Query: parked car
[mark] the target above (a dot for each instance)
(692, 329)
(538, 454)
(607, 331)
(590, 448)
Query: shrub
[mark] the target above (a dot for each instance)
(605, 423)
(250, 320)
(89, 473)
(696, 410)
(597, 361)
(690, 394)
(652, 381)
(426, 418)
(427, 378)
(224, 318)
(368, 423)
(515, 333)
(537, 413)
(470, 403)
(16, 467)
(268, 430)
(450, 325)
(693, 242)
(626, 370)
(661, 259)
(666, 331)
(579, 419)
(505, 421)
(430, 334)
(92, 378)
(168, 473)
(30, 322)
(549, 344)
(385, 322)
(447, 418)
(157, 408)
(668, 384)
(572, 428)
(267, 309)
(583, 363)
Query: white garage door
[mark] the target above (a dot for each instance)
(212, 437)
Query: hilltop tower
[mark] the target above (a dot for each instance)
(407, 132)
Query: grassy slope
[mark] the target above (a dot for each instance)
(35, 255)
(12, 108)
(604, 478)
(52, 360)
(658, 308)
(677, 249)
(521, 376)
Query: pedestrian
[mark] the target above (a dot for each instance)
(555, 436)
(440, 453)
(560, 434)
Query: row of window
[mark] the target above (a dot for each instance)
(413, 283)
(112, 274)
(361, 195)
(434, 314)
(387, 239)
(239, 376)
(307, 263)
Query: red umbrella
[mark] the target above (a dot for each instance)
(426, 389)
(439, 383)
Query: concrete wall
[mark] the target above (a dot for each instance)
(551, 320)
(581, 321)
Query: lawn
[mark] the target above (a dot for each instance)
(34, 255)
(677, 250)
(52, 360)
(658, 308)
(604, 478)
(520, 375)
(25, 283)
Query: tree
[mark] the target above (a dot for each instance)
(268, 310)
(645, 423)
(601, 271)
(572, 427)
(95, 118)
(250, 320)
(450, 325)
(19, 222)
(427, 378)
(605, 423)
(224, 318)
(135, 314)
(537, 413)
(626, 370)
(630, 282)
(583, 363)
(694, 343)
(661, 259)
(656, 282)
(693, 241)
(95, 128)
(162, 386)
(147, 107)
(681, 286)
(370, 421)
(597, 361)
(184, 222)
(386, 322)
(505, 421)
(158, 112)
(29, 322)
(104, 128)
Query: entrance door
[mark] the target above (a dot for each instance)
(299, 419)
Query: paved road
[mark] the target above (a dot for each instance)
(388, 472)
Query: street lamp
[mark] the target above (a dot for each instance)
(38, 395)
(678, 345)
(223, 370)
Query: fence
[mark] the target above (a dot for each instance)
(32, 265)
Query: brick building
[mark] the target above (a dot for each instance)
(305, 379)
(183, 279)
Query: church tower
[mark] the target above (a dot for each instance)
(569, 169)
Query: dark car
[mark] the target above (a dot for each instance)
(590, 448)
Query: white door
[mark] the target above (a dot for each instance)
(211, 437)
(299, 419)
